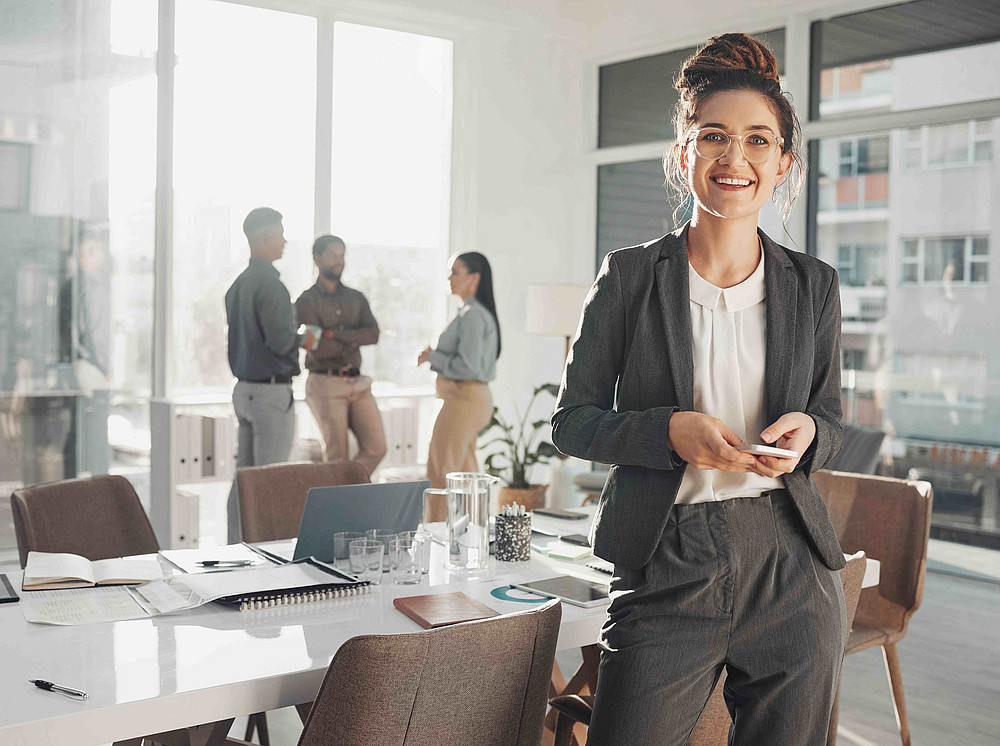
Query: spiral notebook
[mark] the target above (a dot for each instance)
(283, 585)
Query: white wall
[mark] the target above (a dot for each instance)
(519, 178)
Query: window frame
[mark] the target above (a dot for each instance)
(969, 259)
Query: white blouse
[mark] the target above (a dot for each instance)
(728, 342)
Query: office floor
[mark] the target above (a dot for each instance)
(950, 658)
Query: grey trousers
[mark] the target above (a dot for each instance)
(266, 416)
(736, 584)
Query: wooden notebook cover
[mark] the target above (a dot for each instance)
(442, 609)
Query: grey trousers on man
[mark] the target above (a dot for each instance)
(266, 416)
(733, 583)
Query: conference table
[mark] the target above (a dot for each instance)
(215, 663)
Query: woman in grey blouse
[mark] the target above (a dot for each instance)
(465, 362)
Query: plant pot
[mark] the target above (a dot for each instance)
(530, 497)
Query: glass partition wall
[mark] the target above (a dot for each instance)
(77, 168)
(280, 119)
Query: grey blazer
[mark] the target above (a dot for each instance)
(631, 368)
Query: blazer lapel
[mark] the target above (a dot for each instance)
(781, 301)
(672, 287)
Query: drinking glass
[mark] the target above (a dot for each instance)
(467, 522)
(434, 506)
(366, 559)
(342, 546)
(406, 560)
(386, 536)
(424, 539)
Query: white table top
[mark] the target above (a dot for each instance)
(149, 675)
(211, 663)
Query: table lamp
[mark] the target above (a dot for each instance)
(555, 309)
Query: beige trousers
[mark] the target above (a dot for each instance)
(467, 409)
(339, 404)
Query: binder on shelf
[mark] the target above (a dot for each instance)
(411, 419)
(225, 446)
(185, 520)
(187, 448)
(208, 447)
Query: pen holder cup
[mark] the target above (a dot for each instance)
(513, 538)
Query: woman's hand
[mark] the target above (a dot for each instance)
(794, 431)
(422, 357)
(707, 443)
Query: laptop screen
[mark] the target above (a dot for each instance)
(397, 506)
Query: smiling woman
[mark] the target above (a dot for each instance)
(691, 347)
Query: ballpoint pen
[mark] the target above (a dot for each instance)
(225, 563)
(50, 687)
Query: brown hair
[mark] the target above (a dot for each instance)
(733, 62)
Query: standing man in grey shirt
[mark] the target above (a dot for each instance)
(263, 353)
(338, 395)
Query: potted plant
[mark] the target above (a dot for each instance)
(517, 449)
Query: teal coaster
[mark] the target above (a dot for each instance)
(504, 591)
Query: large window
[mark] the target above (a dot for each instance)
(392, 96)
(244, 136)
(907, 217)
(77, 154)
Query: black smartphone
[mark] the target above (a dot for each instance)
(571, 515)
(576, 539)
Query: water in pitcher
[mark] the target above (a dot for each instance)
(469, 502)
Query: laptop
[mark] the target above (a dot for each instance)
(356, 507)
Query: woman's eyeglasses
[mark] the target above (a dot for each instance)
(711, 144)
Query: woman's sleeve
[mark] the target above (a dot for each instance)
(585, 423)
(463, 365)
(824, 397)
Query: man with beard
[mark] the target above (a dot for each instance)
(338, 395)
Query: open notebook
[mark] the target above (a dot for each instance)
(54, 570)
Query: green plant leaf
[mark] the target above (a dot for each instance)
(549, 388)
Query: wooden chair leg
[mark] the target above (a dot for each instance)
(831, 733)
(896, 682)
(564, 730)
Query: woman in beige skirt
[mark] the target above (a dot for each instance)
(465, 362)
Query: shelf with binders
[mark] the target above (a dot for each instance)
(194, 444)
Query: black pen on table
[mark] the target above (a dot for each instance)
(50, 687)
(225, 563)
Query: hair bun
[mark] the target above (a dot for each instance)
(727, 53)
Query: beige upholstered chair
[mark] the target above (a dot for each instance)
(96, 517)
(272, 497)
(890, 520)
(712, 728)
(451, 686)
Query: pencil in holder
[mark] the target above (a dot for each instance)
(513, 538)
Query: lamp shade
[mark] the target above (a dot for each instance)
(555, 309)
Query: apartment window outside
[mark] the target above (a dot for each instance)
(950, 145)
(861, 264)
(951, 261)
